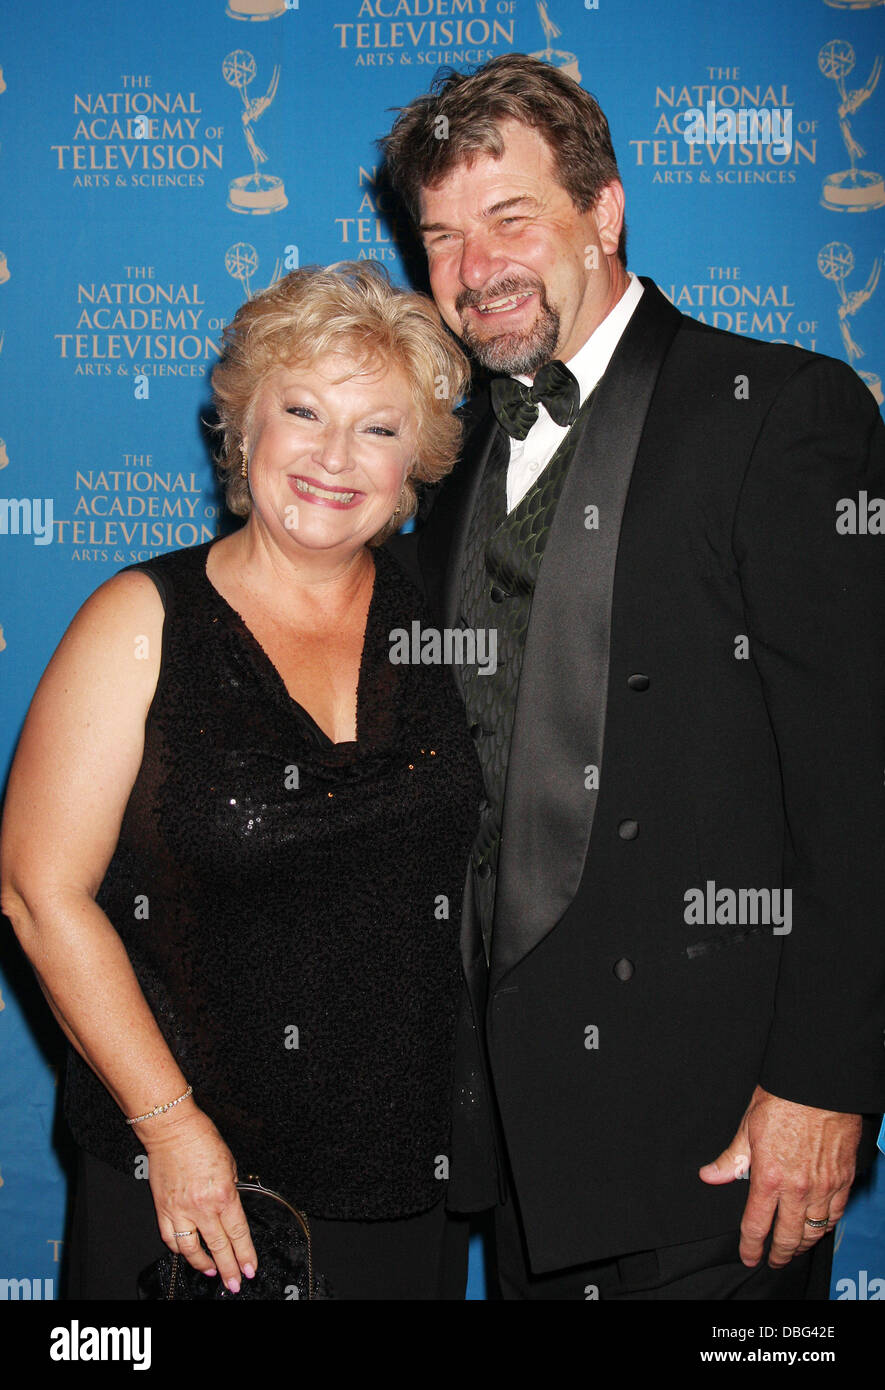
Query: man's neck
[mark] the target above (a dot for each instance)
(618, 284)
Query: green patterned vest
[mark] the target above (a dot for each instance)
(502, 558)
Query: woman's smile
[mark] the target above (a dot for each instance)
(323, 496)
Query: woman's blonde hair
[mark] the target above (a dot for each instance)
(348, 307)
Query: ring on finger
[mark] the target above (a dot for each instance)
(819, 1223)
(179, 1234)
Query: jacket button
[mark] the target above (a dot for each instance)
(476, 731)
(628, 829)
(623, 968)
(497, 594)
(638, 682)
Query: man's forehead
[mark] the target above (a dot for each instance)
(525, 167)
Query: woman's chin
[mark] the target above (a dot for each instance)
(321, 535)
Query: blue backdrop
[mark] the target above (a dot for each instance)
(160, 162)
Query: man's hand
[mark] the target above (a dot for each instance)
(801, 1164)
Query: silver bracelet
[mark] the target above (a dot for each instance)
(160, 1109)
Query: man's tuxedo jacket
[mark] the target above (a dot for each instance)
(702, 702)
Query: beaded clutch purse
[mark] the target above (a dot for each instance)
(281, 1236)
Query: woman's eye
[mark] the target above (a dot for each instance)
(302, 411)
(382, 430)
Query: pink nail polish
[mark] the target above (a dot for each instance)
(233, 1285)
(249, 1271)
(210, 1273)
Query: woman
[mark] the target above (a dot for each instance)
(236, 833)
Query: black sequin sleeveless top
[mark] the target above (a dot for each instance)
(291, 906)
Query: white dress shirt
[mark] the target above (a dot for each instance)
(529, 456)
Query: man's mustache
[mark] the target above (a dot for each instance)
(471, 299)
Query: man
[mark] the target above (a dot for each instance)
(673, 939)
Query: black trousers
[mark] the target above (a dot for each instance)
(114, 1236)
(697, 1270)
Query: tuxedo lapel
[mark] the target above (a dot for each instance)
(444, 537)
(441, 543)
(559, 725)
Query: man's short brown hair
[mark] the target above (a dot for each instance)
(460, 118)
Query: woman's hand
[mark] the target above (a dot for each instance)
(193, 1181)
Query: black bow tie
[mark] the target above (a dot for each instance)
(516, 405)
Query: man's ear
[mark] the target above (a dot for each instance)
(609, 213)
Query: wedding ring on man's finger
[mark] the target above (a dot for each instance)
(818, 1222)
(179, 1234)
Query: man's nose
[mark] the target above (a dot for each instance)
(480, 260)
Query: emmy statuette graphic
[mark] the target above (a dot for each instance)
(241, 261)
(255, 192)
(835, 261)
(853, 189)
(566, 62)
(255, 9)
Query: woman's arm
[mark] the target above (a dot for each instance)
(77, 761)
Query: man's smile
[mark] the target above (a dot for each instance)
(504, 305)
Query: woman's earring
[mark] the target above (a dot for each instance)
(244, 466)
